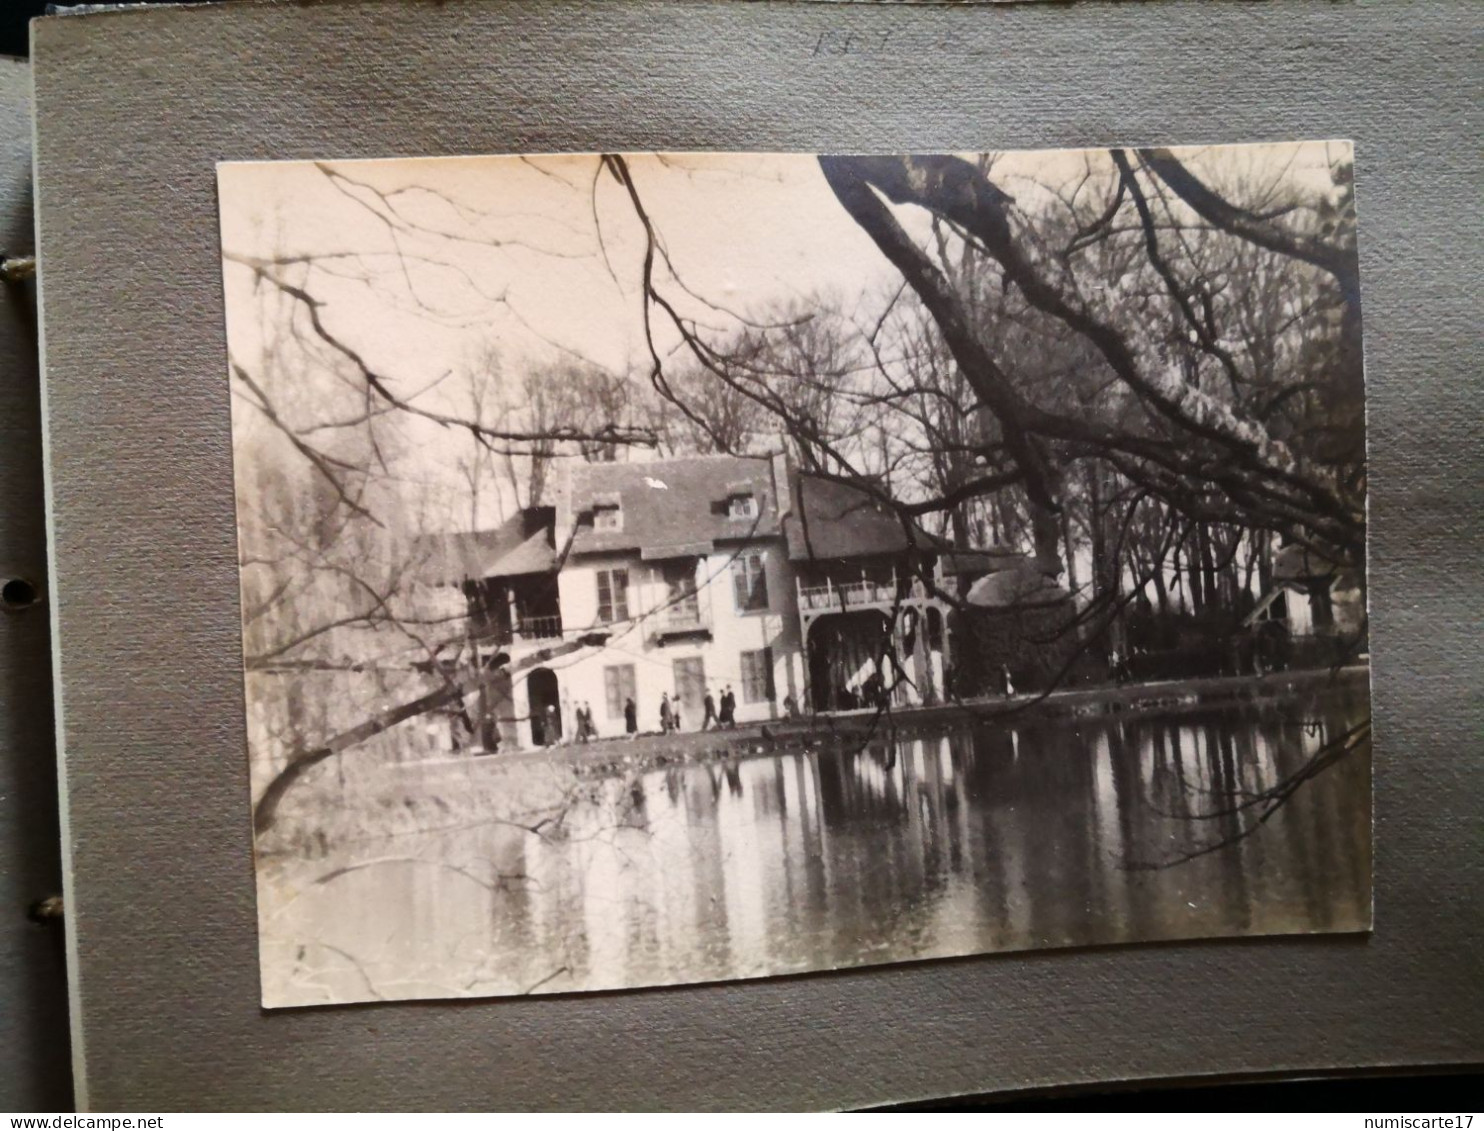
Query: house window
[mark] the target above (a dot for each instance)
(742, 506)
(757, 676)
(618, 682)
(682, 599)
(690, 686)
(607, 516)
(613, 595)
(750, 582)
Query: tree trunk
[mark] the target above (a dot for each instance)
(1161, 587)
(1071, 548)
(302, 761)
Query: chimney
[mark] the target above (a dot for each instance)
(561, 490)
(783, 484)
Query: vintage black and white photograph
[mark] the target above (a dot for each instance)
(671, 568)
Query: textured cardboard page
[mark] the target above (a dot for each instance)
(161, 883)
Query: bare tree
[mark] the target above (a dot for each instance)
(1133, 365)
(1169, 364)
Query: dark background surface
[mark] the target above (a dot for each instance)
(1433, 1090)
(35, 1071)
(14, 20)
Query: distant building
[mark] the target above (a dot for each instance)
(702, 574)
(1311, 596)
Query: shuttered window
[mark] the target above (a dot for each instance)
(618, 682)
(613, 595)
(750, 582)
(757, 676)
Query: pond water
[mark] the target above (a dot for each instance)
(936, 843)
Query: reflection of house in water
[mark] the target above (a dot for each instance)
(702, 573)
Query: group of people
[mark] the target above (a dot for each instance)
(716, 714)
(719, 713)
(726, 716)
(870, 692)
(569, 726)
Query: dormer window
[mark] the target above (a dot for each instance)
(607, 513)
(742, 505)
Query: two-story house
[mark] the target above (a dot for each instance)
(685, 564)
(700, 574)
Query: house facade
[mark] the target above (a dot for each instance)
(692, 576)
(684, 563)
(1314, 606)
(872, 618)
(1310, 596)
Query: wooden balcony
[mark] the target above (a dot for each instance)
(685, 619)
(887, 597)
(830, 597)
(537, 628)
(526, 630)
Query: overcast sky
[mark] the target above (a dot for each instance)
(526, 267)
(548, 255)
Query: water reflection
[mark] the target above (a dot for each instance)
(932, 844)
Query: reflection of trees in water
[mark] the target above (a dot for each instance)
(1083, 815)
(1237, 779)
(935, 844)
(1049, 834)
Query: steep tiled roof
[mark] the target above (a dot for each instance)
(839, 520)
(523, 544)
(679, 507)
(674, 506)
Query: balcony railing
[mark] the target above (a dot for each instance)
(849, 594)
(678, 620)
(538, 628)
(868, 593)
(523, 631)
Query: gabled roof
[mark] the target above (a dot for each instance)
(1295, 562)
(833, 520)
(522, 545)
(673, 507)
